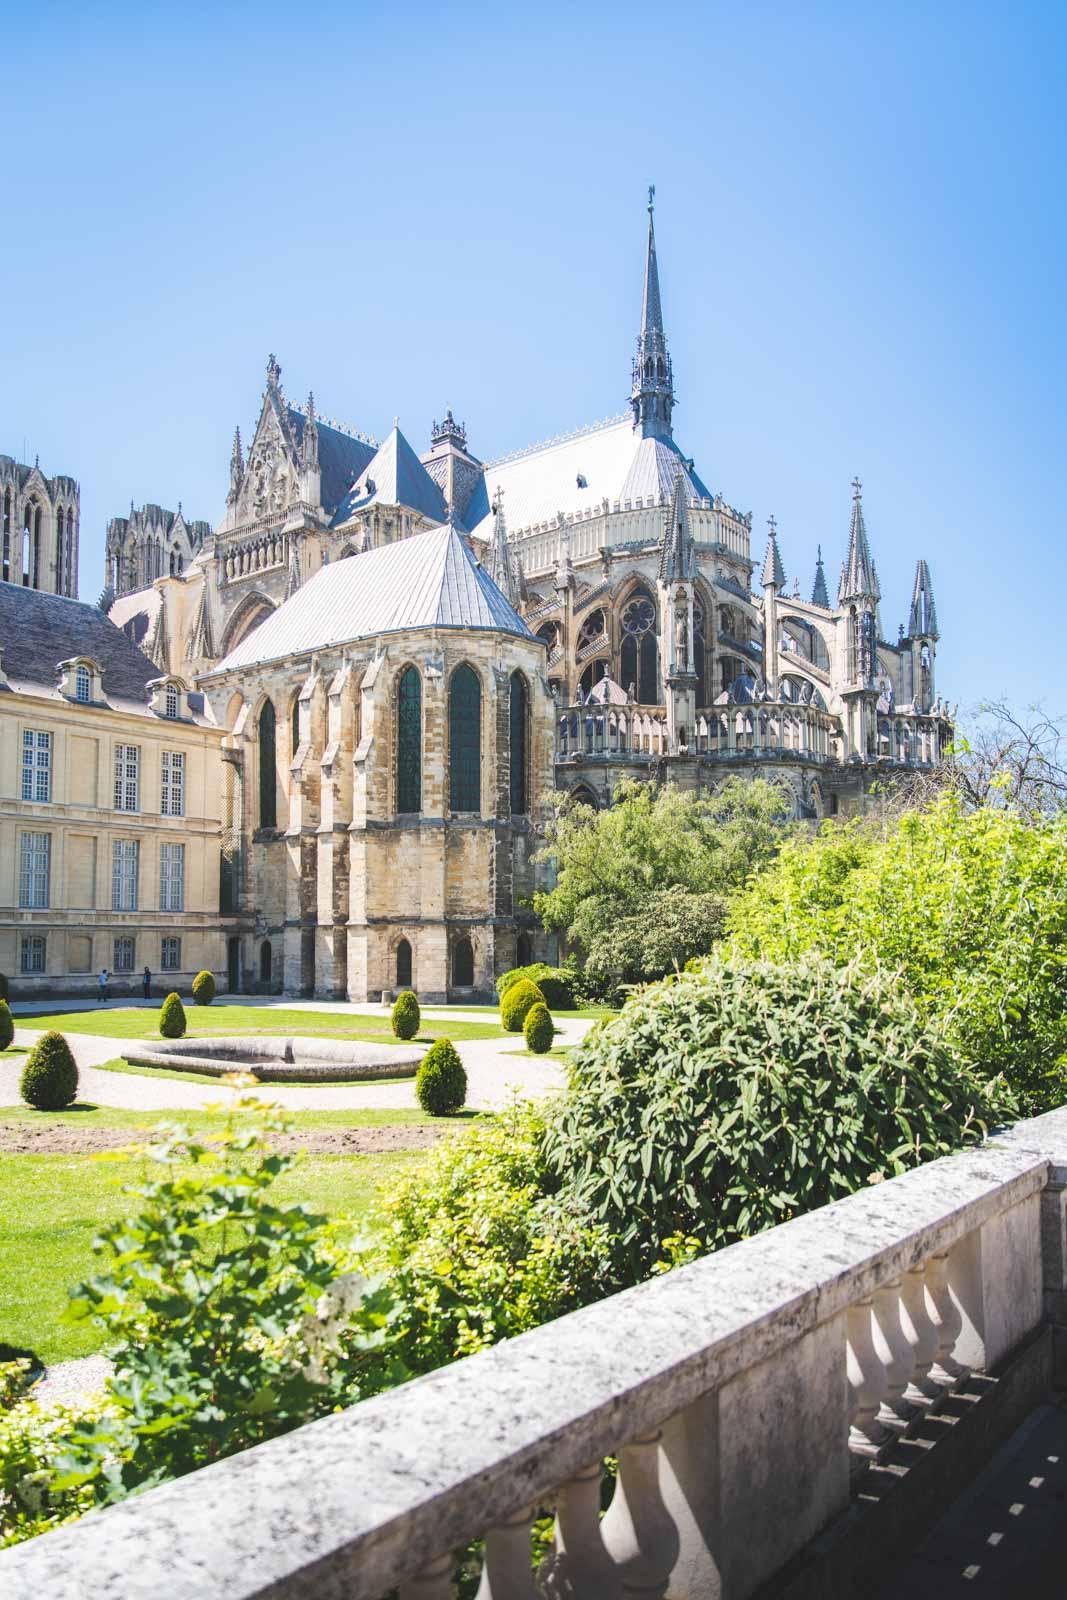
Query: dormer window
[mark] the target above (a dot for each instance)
(171, 701)
(167, 698)
(83, 685)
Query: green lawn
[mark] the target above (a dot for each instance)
(593, 1013)
(136, 1022)
(52, 1206)
(83, 1115)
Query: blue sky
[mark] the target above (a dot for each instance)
(861, 228)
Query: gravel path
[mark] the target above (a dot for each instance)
(69, 1380)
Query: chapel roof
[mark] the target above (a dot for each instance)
(395, 476)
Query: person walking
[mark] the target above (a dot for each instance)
(147, 981)
(102, 991)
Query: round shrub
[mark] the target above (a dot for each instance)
(172, 1017)
(557, 984)
(7, 1027)
(732, 1099)
(203, 988)
(406, 1015)
(538, 1029)
(50, 1076)
(441, 1083)
(516, 1001)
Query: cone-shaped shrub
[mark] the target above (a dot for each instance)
(7, 1027)
(538, 1029)
(406, 1015)
(441, 1083)
(172, 1017)
(203, 988)
(516, 1001)
(50, 1076)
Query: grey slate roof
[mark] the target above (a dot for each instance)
(431, 580)
(341, 457)
(39, 630)
(395, 477)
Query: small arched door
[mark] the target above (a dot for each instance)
(463, 964)
(266, 962)
(233, 966)
(403, 965)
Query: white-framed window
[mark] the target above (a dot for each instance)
(31, 952)
(125, 861)
(83, 685)
(172, 787)
(127, 777)
(35, 859)
(172, 877)
(170, 701)
(36, 765)
(170, 954)
(124, 954)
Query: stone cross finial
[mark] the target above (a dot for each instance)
(772, 523)
(856, 487)
(651, 197)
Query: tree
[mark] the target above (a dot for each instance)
(999, 758)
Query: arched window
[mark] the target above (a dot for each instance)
(294, 728)
(463, 964)
(83, 685)
(700, 654)
(403, 965)
(266, 959)
(268, 768)
(409, 742)
(37, 547)
(640, 656)
(5, 570)
(465, 740)
(523, 951)
(519, 727)
(591, 677)
(591, 631)
(170, 702)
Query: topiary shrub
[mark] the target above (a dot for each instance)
(441, 1083)
(406, 1015)
(50, 1076)
(7, 1027)
(557, 984)
(539, 1029)
(728, 1100)
(203, 988)
(516, 1001)
(172, 1017)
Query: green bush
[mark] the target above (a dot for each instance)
(538, 1029)
(406, 1015)
(172, 1017)
(970, 906)
(33, 1439)
(557, 984)
(722, 1102)
(203, 988)
(441, 1083)
(50, 1076)
(516, 1001)
(7, 1026)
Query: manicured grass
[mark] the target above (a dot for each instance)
(561, 1052)
(93, 1116)
(591, 1013)
(205, 1021)
(52, 1206)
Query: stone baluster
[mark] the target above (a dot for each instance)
(921, 1334)
(507, 1571)
(638, 1531)
(866, 1381)
(434, 1582)
(947, 1320)
(579, 1563)
(895, 1352)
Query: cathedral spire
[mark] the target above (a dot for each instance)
(773, 571)
(820, 595)
(859, 579)
(652, 391)
(677, 561)
(309, 445)
(501, 566)
(923, 623)
(237, 466)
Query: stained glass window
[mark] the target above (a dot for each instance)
(268, 776)
(465, 740)
(519, 801)
(640, 656)
(409, 742)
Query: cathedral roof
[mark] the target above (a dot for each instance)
(342, 457)
(135, 613)
(395, 477)
(431, 580)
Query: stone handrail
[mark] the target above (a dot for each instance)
(738, 1393)
(771, 728)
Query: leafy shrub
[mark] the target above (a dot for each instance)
(557, 984)
(50, 1076)
(722, 1102)
(516, 1001)
(7, 1027)
(970, 906)
(172, 1017)
(204, 988)
(33, 1441)
(406, 1015)
(666, 931)
(441, 1083)
(539, 1029)
(5, 993)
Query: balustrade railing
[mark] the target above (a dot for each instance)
(251, 556)
(768, 729)
(741, 1397)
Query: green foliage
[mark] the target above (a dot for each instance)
(32, 1436)
(722, 1102)
(5, 993)
(50, 1076)
(204, 988)
(7, 1027)
(172, 1017)
(613, 865)
(516, 1001)
(970, 906)
(539, 1029)
(406, 1015)
(441, 1082)
(557, 984)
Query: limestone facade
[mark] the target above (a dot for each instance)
(39, 520)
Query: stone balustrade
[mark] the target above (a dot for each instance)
(741, 1396)
(249, 556)
(769, 728)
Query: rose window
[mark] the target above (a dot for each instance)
(639, 617)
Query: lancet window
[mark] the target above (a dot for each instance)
(640, 655)
(409, 742)
(520, 719)
(465, 740)
(268, 774)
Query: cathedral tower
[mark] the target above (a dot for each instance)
(652, 392)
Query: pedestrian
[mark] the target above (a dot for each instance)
(147, 983)
(102, 991)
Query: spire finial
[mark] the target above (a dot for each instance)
(311, 405)
(651, 198)
(856, 488)
(772, 523)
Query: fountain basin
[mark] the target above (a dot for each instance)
(273, 1060)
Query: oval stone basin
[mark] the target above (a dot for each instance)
(294, 1060)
